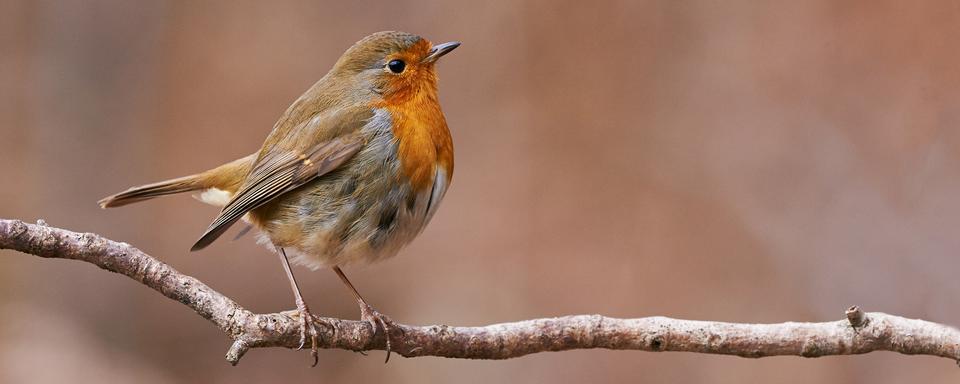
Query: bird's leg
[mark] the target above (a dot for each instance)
(367, 313)
(306, 319)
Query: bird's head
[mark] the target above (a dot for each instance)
(396, 66)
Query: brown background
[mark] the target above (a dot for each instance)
(724, 160)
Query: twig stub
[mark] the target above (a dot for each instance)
(856, 317)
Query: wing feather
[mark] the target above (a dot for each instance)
(277, 174)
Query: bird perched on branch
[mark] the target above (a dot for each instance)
(351, 172)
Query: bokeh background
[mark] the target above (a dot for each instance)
(738, 160)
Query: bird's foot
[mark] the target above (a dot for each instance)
(308, 327)
(377, 320)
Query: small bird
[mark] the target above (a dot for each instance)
(351, 172)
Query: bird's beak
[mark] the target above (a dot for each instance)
(439, 50)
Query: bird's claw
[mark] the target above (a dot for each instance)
(307, 326)
(377, 320)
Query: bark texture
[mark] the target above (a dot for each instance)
(861, 332)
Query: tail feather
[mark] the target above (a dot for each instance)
(149, 191)
(227, 177)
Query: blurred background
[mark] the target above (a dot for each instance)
(738, 161)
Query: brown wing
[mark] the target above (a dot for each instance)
(277, 174)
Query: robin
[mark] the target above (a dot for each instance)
(351, 172)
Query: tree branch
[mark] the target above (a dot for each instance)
(859, 333)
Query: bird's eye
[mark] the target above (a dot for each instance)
(396, 66)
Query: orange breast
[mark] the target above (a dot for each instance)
(423, 137)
